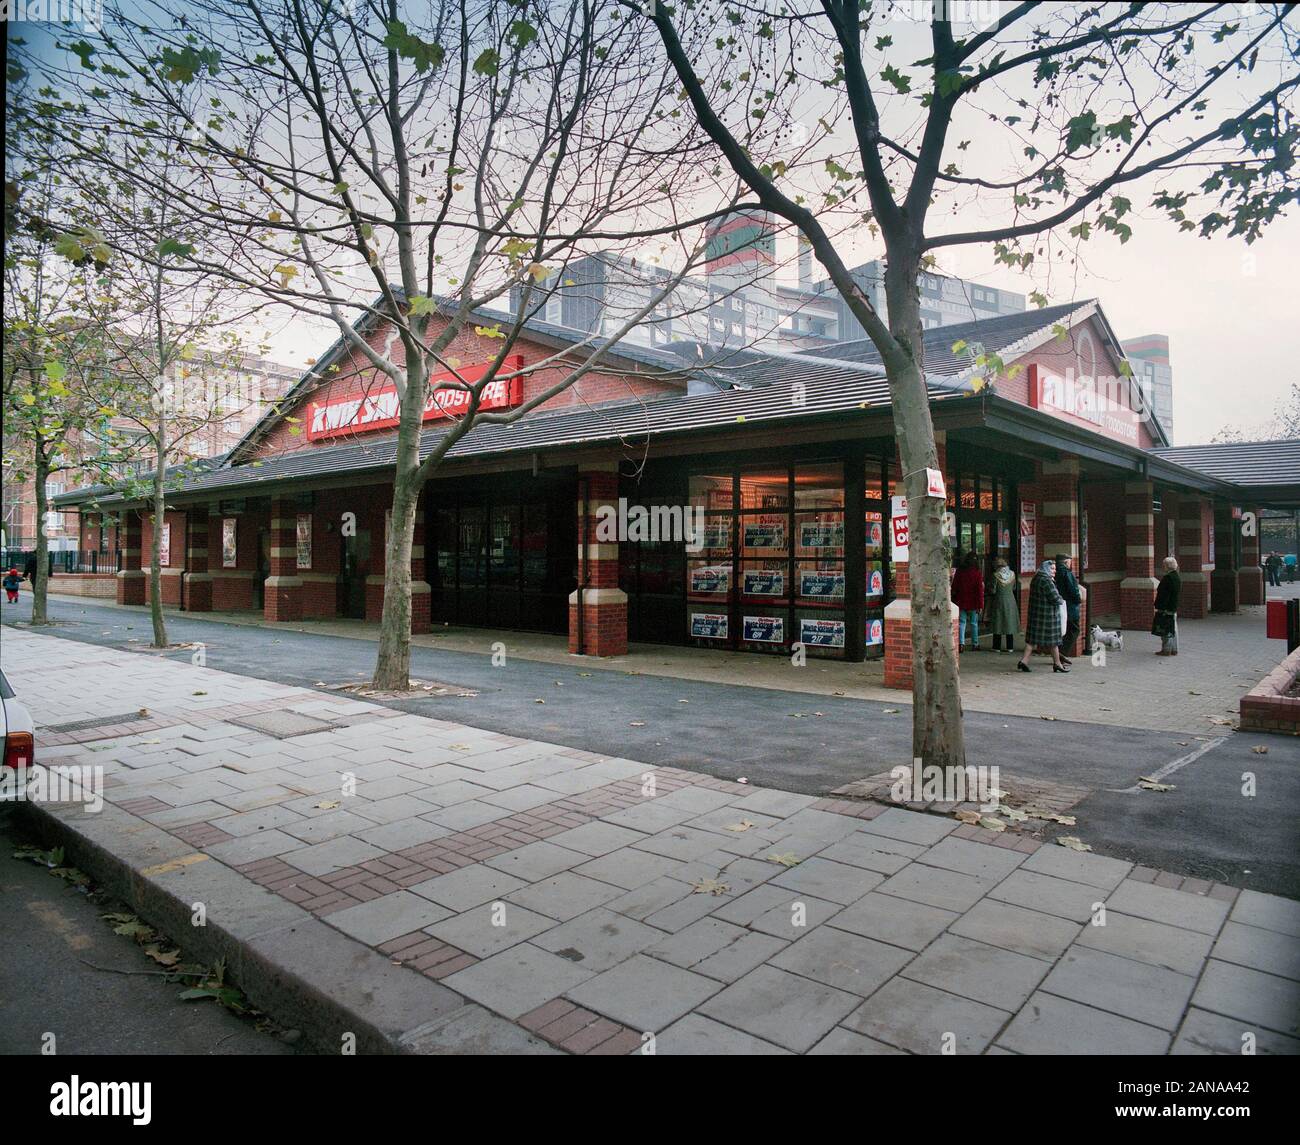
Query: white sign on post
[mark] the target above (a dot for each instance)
(898, 527)
(934, 486)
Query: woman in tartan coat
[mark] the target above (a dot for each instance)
(1044, 627)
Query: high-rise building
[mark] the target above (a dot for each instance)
(1149, 356)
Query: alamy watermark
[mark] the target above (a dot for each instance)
(63, 784)
(86, 13)
(651, 523)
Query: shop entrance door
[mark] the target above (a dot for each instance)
(354, 568)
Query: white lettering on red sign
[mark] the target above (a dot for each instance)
(381, 409)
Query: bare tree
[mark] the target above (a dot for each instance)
(1070, 107)
(360, 162)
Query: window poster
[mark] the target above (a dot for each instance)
(711, 579)
(822, 585)
(821, 534)
(764, 582)
(765, 533)
(821, 633)
(709, 625)
(765, 629)
(229, 542)
(304, 540)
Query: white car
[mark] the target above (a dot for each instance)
(19, 733)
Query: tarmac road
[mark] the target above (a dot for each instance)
(799, 742)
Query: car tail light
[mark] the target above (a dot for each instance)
(18, 749)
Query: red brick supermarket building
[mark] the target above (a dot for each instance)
(789, 460)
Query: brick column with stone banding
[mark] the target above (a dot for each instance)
(1224, 589)
(130, 576)
(197, 593)
(604, 604)
(1138, 588)
(1195, 515)
(421, 592)
(283, 588)
(1250, 577)
(1058, 523)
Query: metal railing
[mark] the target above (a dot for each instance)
(65, 562)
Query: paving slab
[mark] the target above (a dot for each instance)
(1206, 1033)
(1266, 950)
(488, 929)
(1250, 996)
(922, 1019)
(644, 993)
(468, 887)
(845, 1043)
(517, 980)
(599, 939)
(1051, 1025)
(1015, 928)
(1163, 904)
(911, 925)
(1155, 943)
(537, 860)
(975, 970)
(387, 917)
(846, 961)
(700, 1036)
(1049, 895)
(1121, 986)
(909, 827)
(563, 896)
(978, 859)
(780, 1007)
(933, 886)
(1271, 912)
(825, 879)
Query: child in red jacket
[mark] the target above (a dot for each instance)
(968, 596)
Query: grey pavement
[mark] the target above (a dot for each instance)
(643, 908)
(813, 743)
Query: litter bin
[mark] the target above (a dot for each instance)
(1275, 620)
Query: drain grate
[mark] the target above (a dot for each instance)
(283, 725)
(98, 722)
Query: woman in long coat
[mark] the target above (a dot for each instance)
(1044, 627)
(1165, 622)
(1004, 611)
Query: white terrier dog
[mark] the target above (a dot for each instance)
(1107, 639)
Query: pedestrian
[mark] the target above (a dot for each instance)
(1165, 623)
(1068, 586)
(1004, 611)
(1289, 560)
(29, 568)
(1044, 627)
(1273, 566)
(968, 596)
(11, 582)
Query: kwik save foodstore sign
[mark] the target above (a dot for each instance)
(1102, 404)
(378, 409)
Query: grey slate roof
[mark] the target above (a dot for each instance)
(1249, 463)
(828, 389)
(997, 335)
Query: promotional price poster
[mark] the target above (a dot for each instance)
(875, 582)
(709, 625)
(875, 631)
(764, 535)
(822, 633)
(711, 579)
(717, 534)
(822, 535)
(764, 582)
(765, 629)
(822, 585)
(875, 533)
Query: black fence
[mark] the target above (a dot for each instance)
(66, 562)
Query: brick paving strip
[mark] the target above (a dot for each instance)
(443, 889)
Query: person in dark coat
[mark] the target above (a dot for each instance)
(1004, 609)
(29, 567)
(1165, 623)
(968, 596)
(1273, 566)
(1044, 627)
(1068, 586)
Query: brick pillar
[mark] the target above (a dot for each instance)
(197, 593)
(130, 576)
(1195, 515)
(898, 612)
(1250, 577)
(283, 588)
(1137, 590)
(1058, 524)
(1224, 592)
(604, 604)
(421, 593)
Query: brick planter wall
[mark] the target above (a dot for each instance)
(1267, 707)
(84, 584)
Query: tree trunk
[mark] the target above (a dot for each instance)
(41, 581)
(155, 548)
(937, 737)
(393, 663)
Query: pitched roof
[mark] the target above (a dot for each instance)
(1001, 334)
(832, 388)
(1248, 463)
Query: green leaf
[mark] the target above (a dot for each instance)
(521, 34)
(891, 75)
(424, 54)
(169, 247)
(1082, 133)
(421, 304)
(488, 63)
